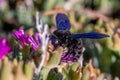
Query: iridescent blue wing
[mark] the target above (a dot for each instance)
(62, 22)
(92, 35)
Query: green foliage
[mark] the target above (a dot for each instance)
(85, 16)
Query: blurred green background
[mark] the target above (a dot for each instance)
(85, 15)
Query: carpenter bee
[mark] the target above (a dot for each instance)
(63, 37)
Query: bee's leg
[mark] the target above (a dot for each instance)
(80, 60)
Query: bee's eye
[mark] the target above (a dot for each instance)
(54, 41)
(55, 44)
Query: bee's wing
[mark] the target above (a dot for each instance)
(92, 35)
(62, 22)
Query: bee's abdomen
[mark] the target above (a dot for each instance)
(75, 49)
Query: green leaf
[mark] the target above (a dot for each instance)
(105, 60)
(58, 76)
(54, 59)
(73, 69)
(55, 76)
(74, 72)
(29, 71)
(65, 74)
(6, 69)
(86, 74)
(44, 73)
(76, 76)
(49, 4)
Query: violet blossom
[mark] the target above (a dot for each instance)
(4, 47)
(21, 37)
(38, 39)
(27, 39)
(33, 44)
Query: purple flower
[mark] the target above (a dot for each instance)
(23, 39)
(4, 47)
(38, 40)
(20, 35)
(33, 44)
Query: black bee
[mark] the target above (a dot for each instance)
(63, 37)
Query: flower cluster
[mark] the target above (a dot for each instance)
(40, 39)
(27, 39)
(21, 37)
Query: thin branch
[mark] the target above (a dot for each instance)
(43, 30)
(92, 13)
